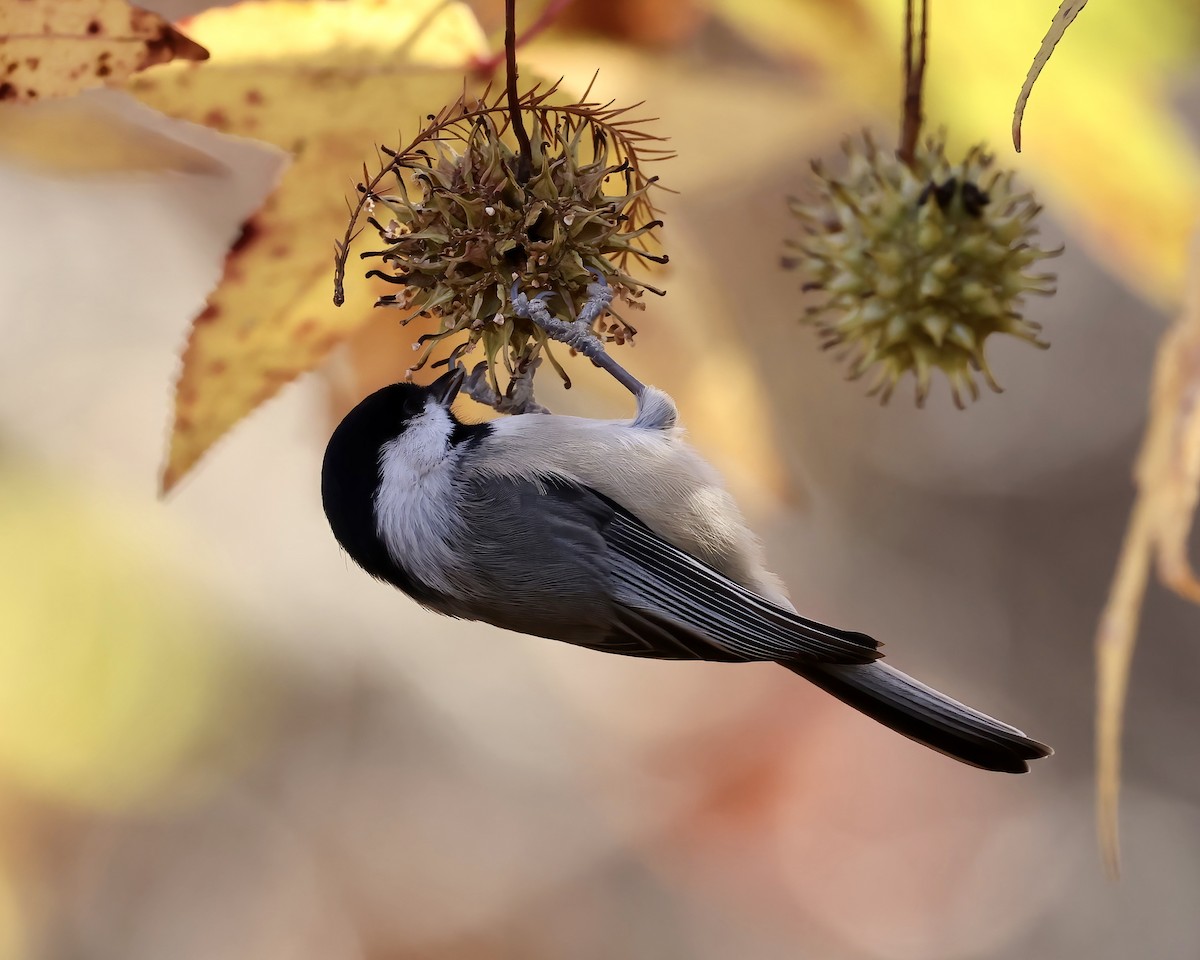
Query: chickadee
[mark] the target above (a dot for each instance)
(610, 534)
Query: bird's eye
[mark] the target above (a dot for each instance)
(414, 406)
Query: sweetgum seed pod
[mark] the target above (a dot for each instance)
(918, 265)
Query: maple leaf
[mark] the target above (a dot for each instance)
(336, 78)
(56, 48)
(44, 139)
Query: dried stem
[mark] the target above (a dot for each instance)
(525, 150)
(486, 66)
(914, 81)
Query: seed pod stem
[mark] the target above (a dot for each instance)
(524, 148)
(914, 81)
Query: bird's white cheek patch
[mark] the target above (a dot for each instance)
(424, 445)
(414, 506)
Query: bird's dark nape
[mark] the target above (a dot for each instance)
(922, 714)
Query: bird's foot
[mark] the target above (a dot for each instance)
(578, 334)
(517, 399)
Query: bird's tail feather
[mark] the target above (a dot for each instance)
(922, 714)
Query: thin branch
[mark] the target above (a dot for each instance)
(914, 82)
(486, 66)
(525, 150)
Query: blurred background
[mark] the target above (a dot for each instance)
(218, 738)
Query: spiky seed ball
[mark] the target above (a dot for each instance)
(462, 227)
(919, 264)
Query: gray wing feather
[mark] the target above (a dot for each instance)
(651, 574)
(590, 573)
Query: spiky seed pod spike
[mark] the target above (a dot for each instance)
(919, 264)
(459, 225)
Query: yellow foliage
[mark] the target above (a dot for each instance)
(335, 79)
(346, 35)
(110, 681)
(56, 48)
(1105, 145)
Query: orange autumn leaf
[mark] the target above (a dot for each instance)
(57, 48)
(336, 78)
(1168, 488)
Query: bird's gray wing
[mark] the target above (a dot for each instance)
(563, 561)
(656, 578)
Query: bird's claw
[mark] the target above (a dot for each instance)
(519, 398)
(522, 304)
(600, 294)
(476, 383)
(576, 334)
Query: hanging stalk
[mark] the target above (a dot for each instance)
(524, 148)
(914, 80)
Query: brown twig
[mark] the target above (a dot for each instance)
(486, 66)
(524, 148)
(914, 82)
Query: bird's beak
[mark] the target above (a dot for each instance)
(445, 388)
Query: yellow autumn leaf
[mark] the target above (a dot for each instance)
(335, 79)
(1112, 159)
(56, 48)
(370, 359)
(839, 40)
(1168, 485)
(44, 138)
